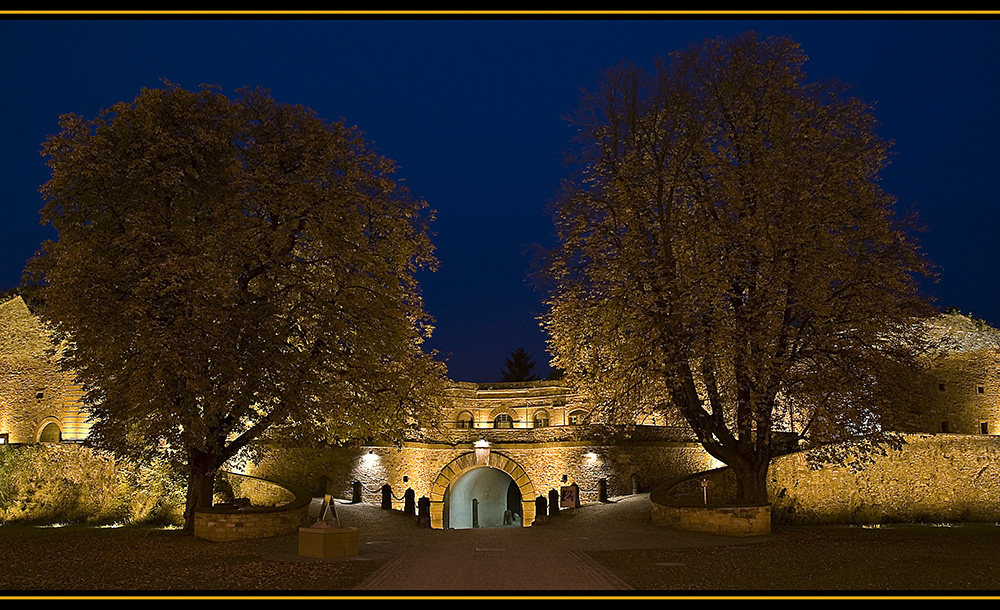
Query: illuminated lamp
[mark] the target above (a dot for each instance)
(482, 452)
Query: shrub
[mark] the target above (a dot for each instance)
(62, 483)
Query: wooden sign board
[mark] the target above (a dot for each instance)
(328, 513)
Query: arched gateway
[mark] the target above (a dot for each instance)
(496, 485)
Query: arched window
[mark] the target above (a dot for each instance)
(503, 421)
(576, 417)
(464, 420)
(541, 419)
(50, 433)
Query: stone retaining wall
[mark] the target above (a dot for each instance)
(686, 504)
(931, 478)
(728, 521)
(220, 524)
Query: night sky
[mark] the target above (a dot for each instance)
(472, 111)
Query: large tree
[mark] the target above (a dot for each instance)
(727, 255)
(227, 266)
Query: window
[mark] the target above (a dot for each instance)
(464, 420)
(944, 426)
(940, 387)
(3, 437)
(980, 389)
(984, 427)
(541, 419)
(576, 417)
(503, 421)
(40, 394)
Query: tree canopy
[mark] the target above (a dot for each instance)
(727, 255)
(225, 267)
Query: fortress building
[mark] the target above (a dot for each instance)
(38, 401)
(502, 445)
(964, 380)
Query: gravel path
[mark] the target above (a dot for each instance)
(612, 548)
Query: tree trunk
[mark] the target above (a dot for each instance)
(200, 486)
(751, 482)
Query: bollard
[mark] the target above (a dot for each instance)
(540, 510)
(409, 507)
(424, 512)
(356, 492)
(602, 490)
(553, 503)
(322, 486)
(386, 497)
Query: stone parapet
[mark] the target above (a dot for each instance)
(698, 503)
(605, 435)
(726, 520)
(221, 524)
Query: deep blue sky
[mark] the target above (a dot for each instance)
(471, 110)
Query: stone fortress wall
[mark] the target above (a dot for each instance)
(962, 393)
(38, 401)
(626, 466)
(538, 432)
(538, 429)
(931, 478)
(949, 465)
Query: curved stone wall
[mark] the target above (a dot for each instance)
(700, 503)
(725, 520)
(263, 520)
(932, 478)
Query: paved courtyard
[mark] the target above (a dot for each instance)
(597, 550)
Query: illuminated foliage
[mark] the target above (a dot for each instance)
(224, 267)
(727, 256)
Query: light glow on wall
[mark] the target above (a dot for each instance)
(369, 460)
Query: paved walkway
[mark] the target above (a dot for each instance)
(550, 557)
(491, 559)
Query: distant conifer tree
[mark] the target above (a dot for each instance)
(518, 367)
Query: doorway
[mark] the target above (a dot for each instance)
(483, 497)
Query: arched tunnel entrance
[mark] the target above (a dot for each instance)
(483, 497)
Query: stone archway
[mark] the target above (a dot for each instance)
(444, 483)
(482, 497)
(49, 431)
